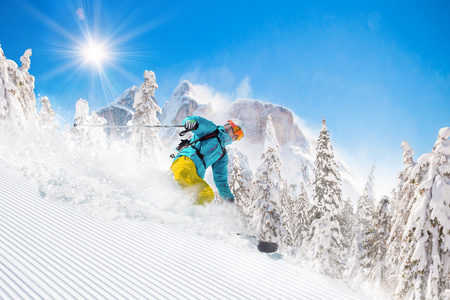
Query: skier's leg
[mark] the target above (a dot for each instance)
(185, 174)
(181, 170)
(205, 193)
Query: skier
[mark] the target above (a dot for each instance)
(206, 148)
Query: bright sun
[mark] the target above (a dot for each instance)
(95, 53)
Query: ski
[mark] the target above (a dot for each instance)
(265, 247)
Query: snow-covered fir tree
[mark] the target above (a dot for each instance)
(327, 183)
(425, 271)
(325, 237)
(403, 195)
(3, 91)
(97, 136)
(325, 245)
(377, 245)
(288, 214)
(357, 272)
(269, 184)
(25, 85)
(17, 98)
(306, 174)
(296, 210)
(92, 139)
(79, 134)
(287, 217)
(301, 217)
(47, 116)
(146, 141)
(347, 221)
(240, 178)
(366, 204)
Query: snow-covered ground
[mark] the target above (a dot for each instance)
(50, 250)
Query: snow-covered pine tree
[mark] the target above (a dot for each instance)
(366, 205)
(268, 183)
(377, 245)
(301, 217)
(146, 141)
(306, 174)
(403, 195)
(287, 216)
(3, 91)
(17, 100)
(79, 133)
(365, 209)
(425, 271)
(325, 245)
(327, 183)
(91, 138)
(47, 116)
(347, 221)
(25, 86)
(97, 135)
(240, 178)
(296, 211)
(325, 237)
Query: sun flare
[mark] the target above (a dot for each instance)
(95, 53)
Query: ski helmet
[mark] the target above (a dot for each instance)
(238, 128)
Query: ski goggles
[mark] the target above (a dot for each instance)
(236, 130)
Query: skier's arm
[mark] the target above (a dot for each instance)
(220, 174)
(204, 126)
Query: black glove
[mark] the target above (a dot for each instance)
(183, 144)
(191, 125)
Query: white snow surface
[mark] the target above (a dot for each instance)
(80, 221)
(49, 250)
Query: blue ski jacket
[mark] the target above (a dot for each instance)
(213, 152)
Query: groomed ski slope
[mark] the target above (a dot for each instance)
(50, 251)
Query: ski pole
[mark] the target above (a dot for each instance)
(136, 126)
(126, 126)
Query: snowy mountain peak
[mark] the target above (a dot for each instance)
(119, 112)
(126, 99)
(185, 88)
(182, 103)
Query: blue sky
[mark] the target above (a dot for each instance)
(378, 71)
